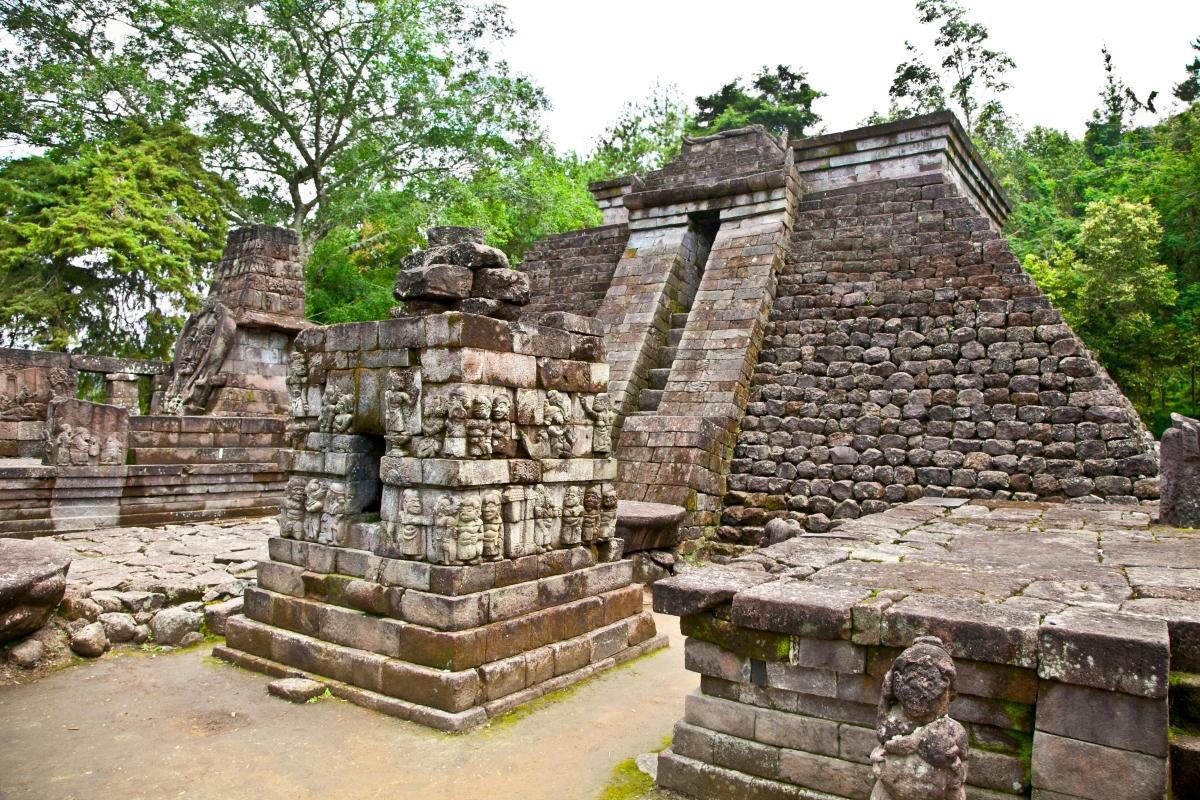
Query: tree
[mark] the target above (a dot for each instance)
(1118, 104)
(1188, 89)
(105, 248)
(780, 99)
(311, 104)
(646, 135)
(968, 73)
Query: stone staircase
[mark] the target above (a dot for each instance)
(1185, 735)
(651, 396)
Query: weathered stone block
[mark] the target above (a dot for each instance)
(1117, 652)
(1091, 771)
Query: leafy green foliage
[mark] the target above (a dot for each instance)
(646, 135)
(104, 249)
(967, 74)
(780, 99)
(1188, 90)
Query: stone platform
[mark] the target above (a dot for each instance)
(1072, 626)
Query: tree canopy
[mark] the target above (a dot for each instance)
(780, 99)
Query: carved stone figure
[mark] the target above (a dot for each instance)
(62, 445)
(572, 516)
(592, 502)
(479, 428)
(469, 531)
(556, 412)
(333, 513)
(545, 511)
(493, 526)
(314, 504)
(113, 452)
(297, 379)
(291, 521)
(83, 448)
(410, 542)
(922, 752)
(1180, 478)
(433, 427)
(201, 350)
(343, 413)
(445, 522)
(600, 410)
(503, 444)
(608, 512)
(328, 410)
(457, 411)
(399, 400)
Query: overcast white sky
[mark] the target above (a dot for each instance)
(591, 57)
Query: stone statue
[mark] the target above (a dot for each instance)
(314, 503)
(493, 526)
(545, 511)
(291, 522)
(457, 412)
(503, 444)
(343, 413)
(469, 531)
(600, 410)
(608, 512)
(201, 350)
(410, 542)
(433, 427)
(331, 516)
(1180, 477)
(398, 401)
(922, 753)
(113, 452)
(297, 378)
(572, 516)
(62, 445)
(328, 409)
(592, 502)
(479, 428)
(445, 522)
(556, 412)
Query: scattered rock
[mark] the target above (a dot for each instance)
(118, 627)
(108, 601)
(141, 634)
(90, 641)
(32, 582)
(27, 654)
(77, 603)
(171, 624)
(142, 601)
(191, 638)
(648, 764)
(296, 690)
(781, 529)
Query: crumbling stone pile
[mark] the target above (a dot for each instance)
(458, 272)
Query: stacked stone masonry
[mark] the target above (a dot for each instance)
(572, 271)
(1067, 653)
(448, 542)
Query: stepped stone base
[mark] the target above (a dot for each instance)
(445, 646)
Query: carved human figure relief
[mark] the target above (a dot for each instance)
(557, 414)
(83, 447)
(502, 441)
(492, 515)
(410, 538)
(62, 445)
(113, 452)
(333, 514)
(314, 504)
(297, 380)
(599, 409)
(433, 427)
(479, 428)
(445, 523)
(291, 520)
(922, 752)
(545, 512)
(199, 353)
(572, 516)
(592, 502)
(343, 413)
(399, 404)
(608, 512)
(469, 530)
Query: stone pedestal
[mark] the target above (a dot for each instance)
(121, 389)
(448, 543)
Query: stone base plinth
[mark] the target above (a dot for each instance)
(445, 646)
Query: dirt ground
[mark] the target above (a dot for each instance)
(184, 725)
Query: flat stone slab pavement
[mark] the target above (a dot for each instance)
(185, 725)
(173, 559)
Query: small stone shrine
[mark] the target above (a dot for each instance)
(1180, 481)
(448, 543)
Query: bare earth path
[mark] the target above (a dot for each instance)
(187, 726)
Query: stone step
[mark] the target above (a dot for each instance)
(679, 319)
(658, 377)
(1185, 765)
(1185, 701)
(674, 336)
(649, 399)
(667, 356)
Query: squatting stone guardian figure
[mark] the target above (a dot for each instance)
(922, 752)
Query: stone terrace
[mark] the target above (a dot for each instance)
(1070, 624)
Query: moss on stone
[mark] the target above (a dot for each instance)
(762, 645)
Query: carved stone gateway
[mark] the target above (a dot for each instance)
(1180, 480)
(922, 752)
(448, 543)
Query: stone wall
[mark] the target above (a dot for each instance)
(909, 355)
(572, 271)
